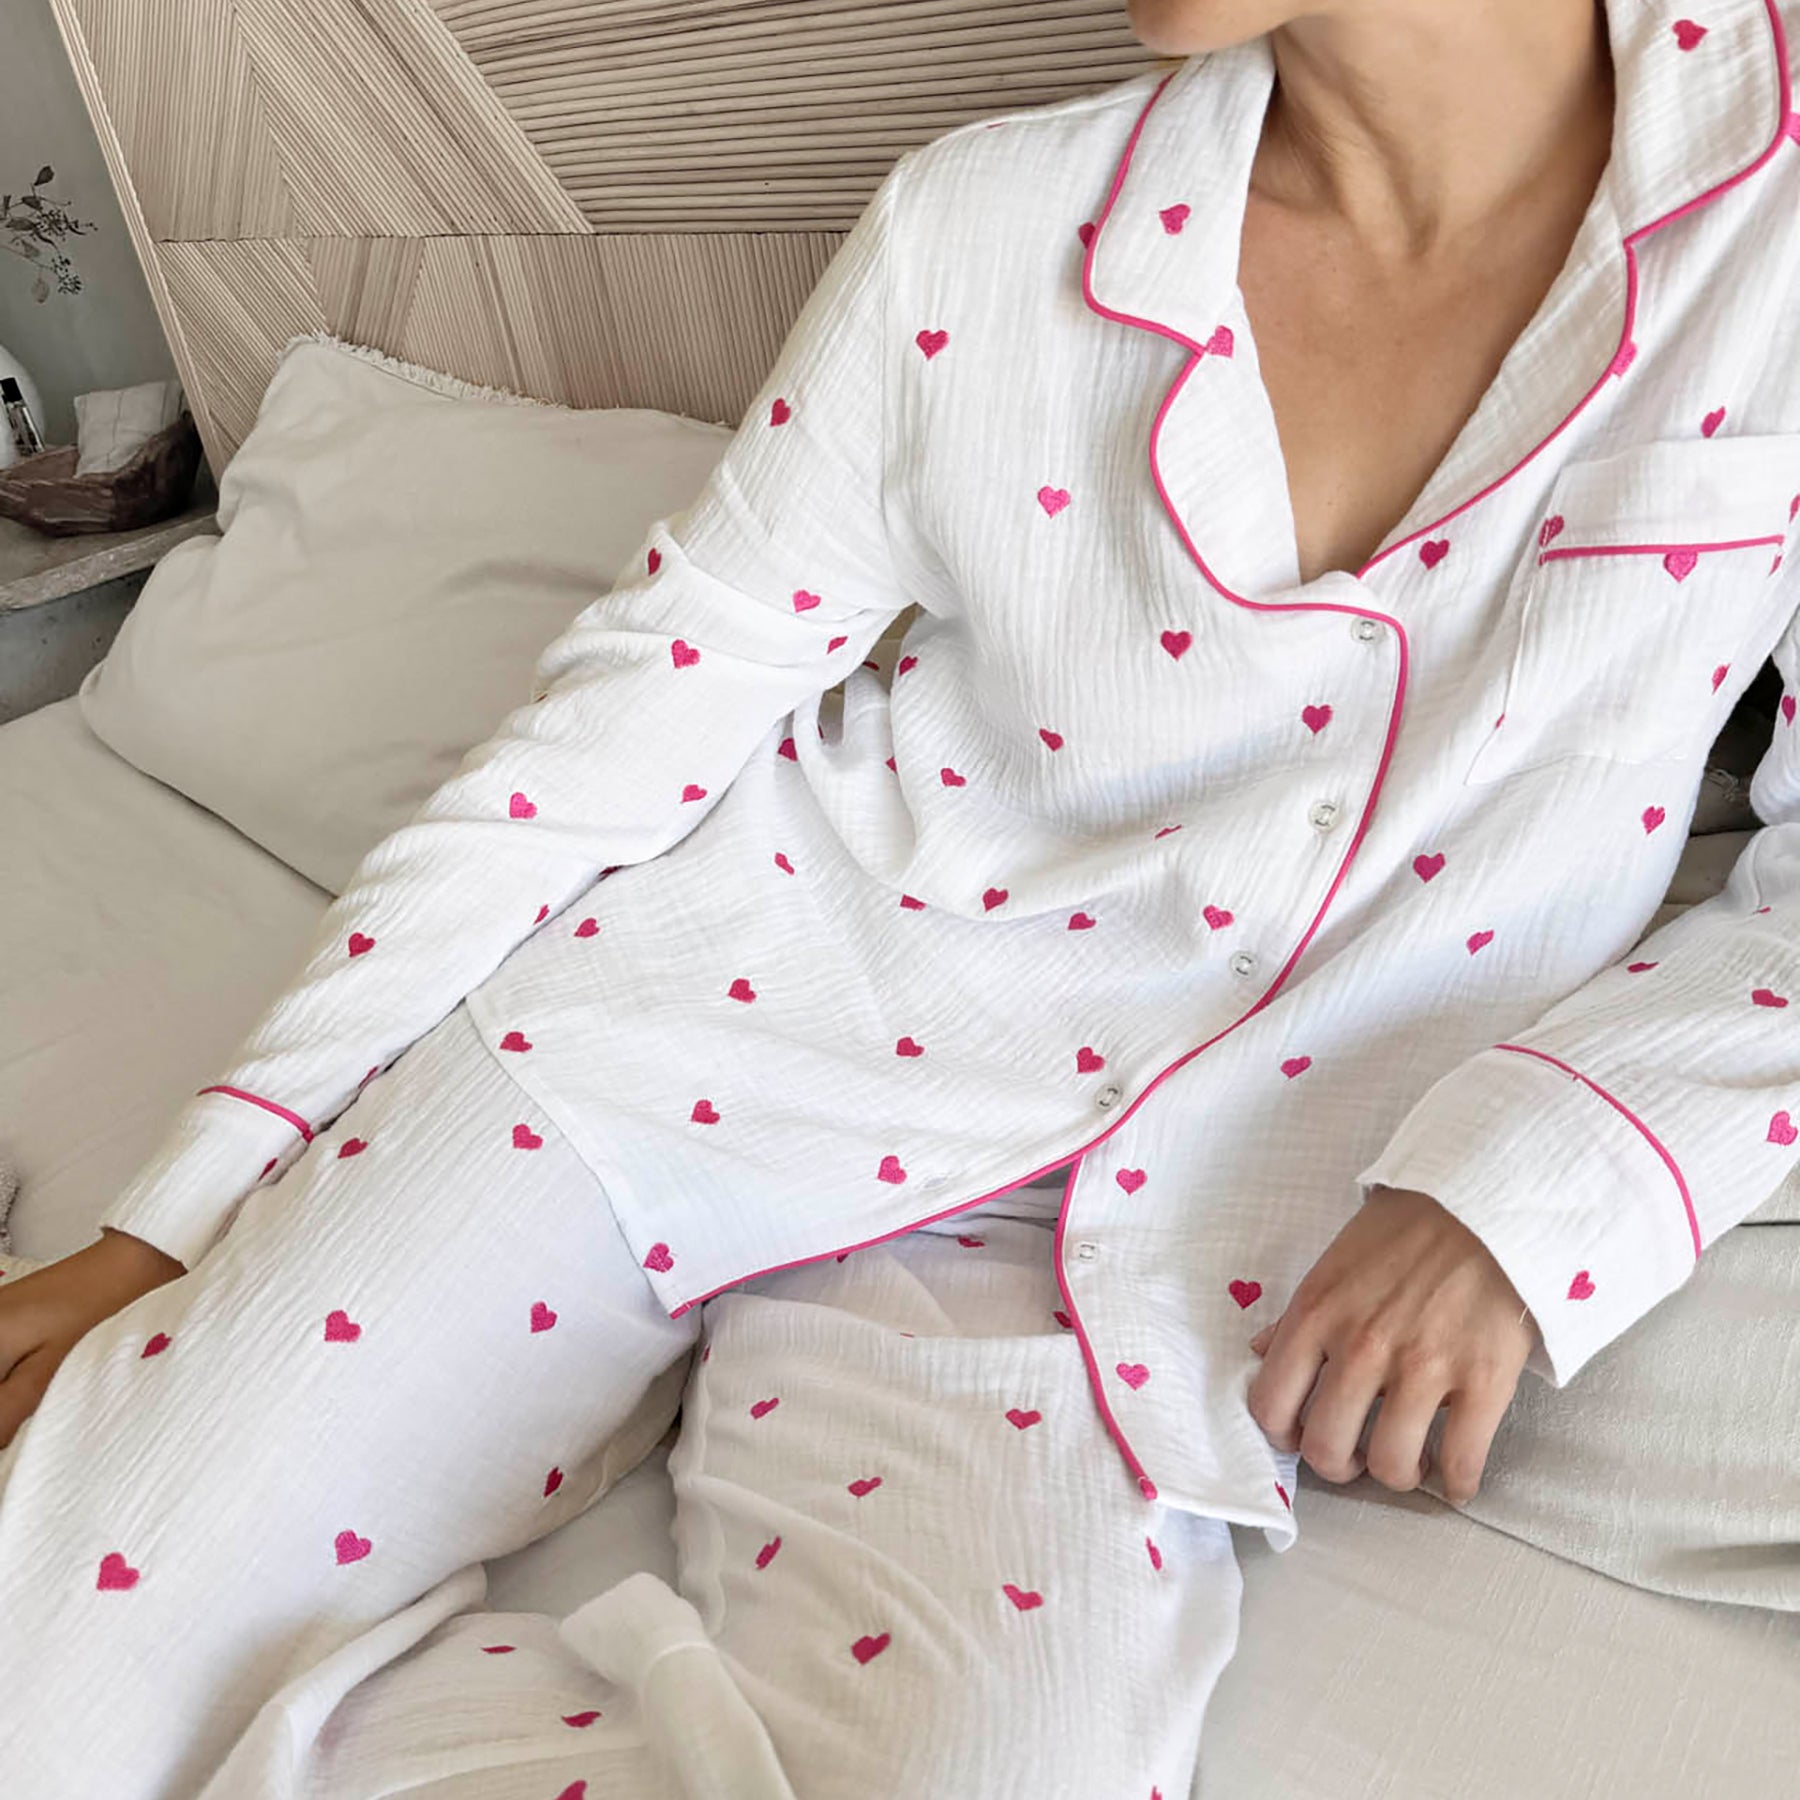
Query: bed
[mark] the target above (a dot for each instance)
(1400, 1650)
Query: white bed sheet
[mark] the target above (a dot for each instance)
(1398, 1652)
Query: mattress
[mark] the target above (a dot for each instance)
(1398, 1652)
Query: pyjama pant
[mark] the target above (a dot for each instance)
(240, 1541)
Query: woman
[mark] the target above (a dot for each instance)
(1250, 834)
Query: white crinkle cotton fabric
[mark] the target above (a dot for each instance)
(1245, 892)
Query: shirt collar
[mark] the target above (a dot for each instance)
(1688, 122)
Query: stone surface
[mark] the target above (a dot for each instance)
(35, 569)
(45, 650)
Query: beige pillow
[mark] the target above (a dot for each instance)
(114, 424)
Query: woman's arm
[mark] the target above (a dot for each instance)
(766, 591)
(1648, 1112)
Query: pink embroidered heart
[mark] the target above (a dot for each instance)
(524, 1138)
(156, 1346)
(1580, 1288)
(1177, 643)
(1020, 1420)
(683, 653)
(693, 791)
(1712, 421)
(352, 1147)
(1134, 1375)
(552, 1482)
(498, 1649)
(1653, 817)
(782, 863)
(1221, 343)
(1433, 551)
(1155, 1554)
(1025, 1599)
(1168, 830)
(1637, 968)
(741, 990)
(1687, 33)
(1174, 217)
(865, 1484)
(837, 643)
(1088, 1060)
(760, 1409)
(786, 748)
(116, 1574)
(515, 1040)
(905, 663)
(866, 1649)
(891, 1170)
(340, 1328)
(1085, 231)
(993, 897)
(1782, 1129)
(360, 945)
(1315, 718)
(1550, 530)
(659, 1258)
(1296, 1065)
(581, 1720)
(972, 1243)
(1763, 997)
(1285, 1501)
(912, 905)
(351, 1548)
(542, 1318)
(768, 1552)
(1787, 708)
(1130, 1179)
(803, 601)
(931, 342)
(1245, 1293)
(521, 808)
(1081, 922)
(780, 413)
(1719, 674)
(543, 912)
(1680, 563)
(909, 1047)
(587, 928)
(704, 1113)
(263, 1174)
(1052, 738)
(1063, 1319)
(1052, 500)
(653, 561)
(1479, 940)
(1427, 866)
(950, 778)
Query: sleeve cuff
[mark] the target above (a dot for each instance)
(1574, 1200)
(218, 1149)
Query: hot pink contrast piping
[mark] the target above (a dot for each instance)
(1658, 549)
(1619, 1106)
(1197, 351)
(281, 1112)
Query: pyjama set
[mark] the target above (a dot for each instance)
(911, 1563)
(1238, 894)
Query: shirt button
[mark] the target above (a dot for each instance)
(1243, 963)
(1086, 1252)
(1107, 1096)
(1324, 814)
(1366, 630)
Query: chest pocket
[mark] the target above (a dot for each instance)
(1649, 600)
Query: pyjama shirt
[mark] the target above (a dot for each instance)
(1239, 894)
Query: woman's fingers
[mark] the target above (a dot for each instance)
(1280, 1387)
(1335, 1417)
(1476, 1409)
(1396, 1453)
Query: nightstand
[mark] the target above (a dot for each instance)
(63, 599)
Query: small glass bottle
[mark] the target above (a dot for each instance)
(20, 425)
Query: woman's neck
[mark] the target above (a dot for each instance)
(1414, 121)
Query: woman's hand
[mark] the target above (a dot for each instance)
(43, 1315)
(1406, 1303)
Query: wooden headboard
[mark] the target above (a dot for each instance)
(601, 202)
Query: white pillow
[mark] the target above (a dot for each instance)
(398, 550)
(113, 424)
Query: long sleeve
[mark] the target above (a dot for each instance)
(1658, 1105)
(769, 589)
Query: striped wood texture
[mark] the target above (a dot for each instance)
(599, 202)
